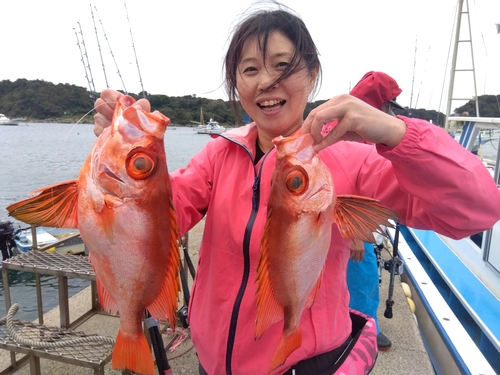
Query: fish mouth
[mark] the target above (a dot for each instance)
(270, 105)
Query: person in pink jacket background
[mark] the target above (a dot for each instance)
(380, 91)
(415, 168)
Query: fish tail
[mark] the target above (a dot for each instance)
(132, 353)
(286, 345)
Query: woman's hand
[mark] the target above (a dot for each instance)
(105, 107)
(357, 250)
(357, 121)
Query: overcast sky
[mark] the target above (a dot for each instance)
(180, 44)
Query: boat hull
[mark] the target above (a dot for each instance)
(13, 122)
(210, 131)
(452, 306)
(72, 241)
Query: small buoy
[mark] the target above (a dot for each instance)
(406, 290)
(412, 304)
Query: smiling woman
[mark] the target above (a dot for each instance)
(272, 66)
(272, 69)
(269, 84)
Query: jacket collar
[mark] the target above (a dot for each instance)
(246, 135)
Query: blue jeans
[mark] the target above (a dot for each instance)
(363, 284)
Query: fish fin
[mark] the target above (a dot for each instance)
(107, 302)
(269, 310)
(286, 346)
(167, 300)
(358, 217)
(314, 291)
(52, 206)
(132, 354)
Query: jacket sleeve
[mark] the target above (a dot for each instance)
(192, 189)
(432, 182)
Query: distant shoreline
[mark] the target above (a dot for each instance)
(86, 122)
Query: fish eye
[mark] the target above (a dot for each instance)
(140, 165)
(296, 181)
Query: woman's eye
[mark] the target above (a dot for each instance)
(249, 69)
(282, 64)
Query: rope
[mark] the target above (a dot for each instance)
(43, 344)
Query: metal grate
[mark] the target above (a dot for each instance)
(91, 354)
(52, 264)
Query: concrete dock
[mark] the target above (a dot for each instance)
(407, 355)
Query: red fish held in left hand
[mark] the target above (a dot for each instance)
(122, 205)
(301, 209)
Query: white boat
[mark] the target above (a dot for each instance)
(62, 240)
(212, 127)
(4, 120)
(489, 135)
(455, 284)
(24, 239)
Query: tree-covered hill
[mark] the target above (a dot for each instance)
(43, 101)
(489, 106)
(40, 100)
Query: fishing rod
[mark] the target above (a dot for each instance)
(182, 313)
(153, 325)
(133, 47)
(87, 58)
(395, 267)
(111, 51)
(84, 67)
(99, 46)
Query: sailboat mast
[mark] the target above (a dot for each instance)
(99, 46)
(133, 47)
(87, 58)
(92, 93)
(413, 78)
(110, 50)
(453, 69)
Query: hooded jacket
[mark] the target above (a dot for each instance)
(428, 179)
(376, 89)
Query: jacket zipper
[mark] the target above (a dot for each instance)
(246, 260)
(246, 275)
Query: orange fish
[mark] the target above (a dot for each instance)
(301, 210)
(122, 205)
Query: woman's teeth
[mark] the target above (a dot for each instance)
(271, 104)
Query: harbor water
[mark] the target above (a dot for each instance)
(36, 155)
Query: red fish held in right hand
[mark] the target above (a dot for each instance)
(122, 205)
(301, 210)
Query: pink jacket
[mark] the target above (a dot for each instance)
(428, 179)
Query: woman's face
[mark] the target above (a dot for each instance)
(278, 111)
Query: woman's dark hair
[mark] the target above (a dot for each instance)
(261, 24)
